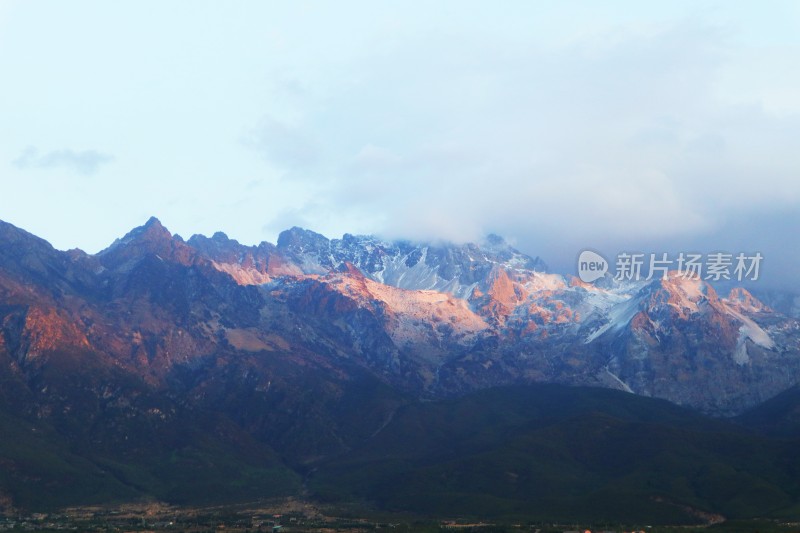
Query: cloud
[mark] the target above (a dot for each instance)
(565, 125)
(287, 146)
(620, 137)
(86, 162)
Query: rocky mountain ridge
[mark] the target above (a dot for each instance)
(433, 320)
(160, 360)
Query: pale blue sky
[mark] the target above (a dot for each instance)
(561, 125)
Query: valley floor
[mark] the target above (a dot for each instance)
(297, 516)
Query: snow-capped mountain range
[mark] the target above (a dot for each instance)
(480, 314)
(429, 319)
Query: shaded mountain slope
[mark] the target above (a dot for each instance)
(561, 453)
(205, 369)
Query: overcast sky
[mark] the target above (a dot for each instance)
(651, 126)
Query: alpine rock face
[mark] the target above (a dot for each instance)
(464, 317)
(158, 360)
(200, 321)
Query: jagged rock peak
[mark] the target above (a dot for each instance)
(301, 239)
(745, 300)
(152, 231)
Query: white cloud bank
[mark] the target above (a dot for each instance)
(626, 137)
